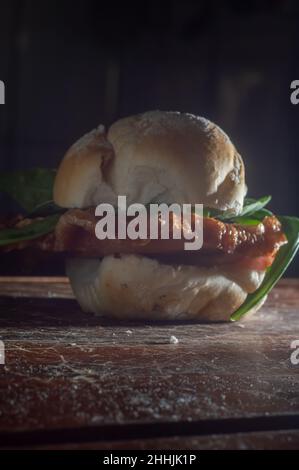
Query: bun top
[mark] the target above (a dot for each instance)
(153, 157)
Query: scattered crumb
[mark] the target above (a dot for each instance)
(173, 340)
(129, 332)
(51, 294)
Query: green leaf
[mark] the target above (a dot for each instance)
(29, 232)
(47, 208)
(261, 214)
(252, 207)
(28, 188)
(246, 221)
(284, 257)
(206, 212)
(252, 219)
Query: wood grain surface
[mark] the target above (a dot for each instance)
(74, 380)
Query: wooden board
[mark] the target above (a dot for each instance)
(78, 380)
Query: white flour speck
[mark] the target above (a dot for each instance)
(173, 340)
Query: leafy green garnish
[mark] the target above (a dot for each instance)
(206, 212)
(33, 191)
(261, 214)
(282, 260)
(247, 220)
(251, 206)
(254, 208)
(29, 232)
(47, 208)
(29, 188)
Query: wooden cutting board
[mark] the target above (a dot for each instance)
(73, 380)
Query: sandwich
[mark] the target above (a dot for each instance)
(159, 158)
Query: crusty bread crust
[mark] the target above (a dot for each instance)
(155, 156)
(80, 180)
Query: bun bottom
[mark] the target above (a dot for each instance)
(136, 287)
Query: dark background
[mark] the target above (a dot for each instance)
(69, 66)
